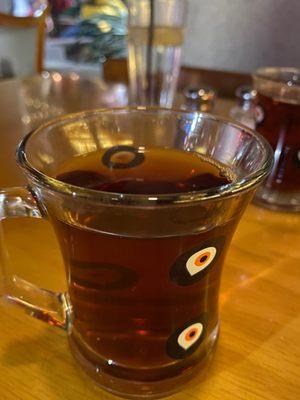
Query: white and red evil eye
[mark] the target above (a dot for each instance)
(194, 264)
(190, 336)
(200, 260)
(187, 338)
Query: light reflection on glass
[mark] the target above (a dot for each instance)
(56, 77)
(37, 111)
(74, 76)
(45, 74)
(46, 158)
(80, 137)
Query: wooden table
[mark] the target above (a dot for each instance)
(259, 349)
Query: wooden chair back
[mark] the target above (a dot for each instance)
(22, 42)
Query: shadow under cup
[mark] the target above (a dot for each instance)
(144, 319)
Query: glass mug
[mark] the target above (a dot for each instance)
(141, 315)
(278, 120)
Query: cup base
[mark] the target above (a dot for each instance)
(151, 389)
(277, 201)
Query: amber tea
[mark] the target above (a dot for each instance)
(145, 305)
(124, 169)
(144, 224)
(278, 120)
(279, 123)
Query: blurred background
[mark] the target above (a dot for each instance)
(242, 35)
(222, 35)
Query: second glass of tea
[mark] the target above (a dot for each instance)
(278, 120)
(144, 203)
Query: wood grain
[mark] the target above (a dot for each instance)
(258, 351)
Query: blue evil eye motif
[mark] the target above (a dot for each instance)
(186, 339)
(122, 157)
(191, 266)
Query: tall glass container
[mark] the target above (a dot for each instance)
(156, 35)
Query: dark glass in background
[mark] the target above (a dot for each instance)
(278, 120)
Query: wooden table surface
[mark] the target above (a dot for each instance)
(258, 355)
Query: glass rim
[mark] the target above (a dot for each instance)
(250, 181)
(266, 74)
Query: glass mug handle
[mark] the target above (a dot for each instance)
(46, 305)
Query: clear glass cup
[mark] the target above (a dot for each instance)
(155, 39)
(139, 332)
(278, 120)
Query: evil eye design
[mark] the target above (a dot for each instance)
(191, 266)
(102, 276)
(190, 335)
(200, 260)
(121, 157)
(185, 340)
